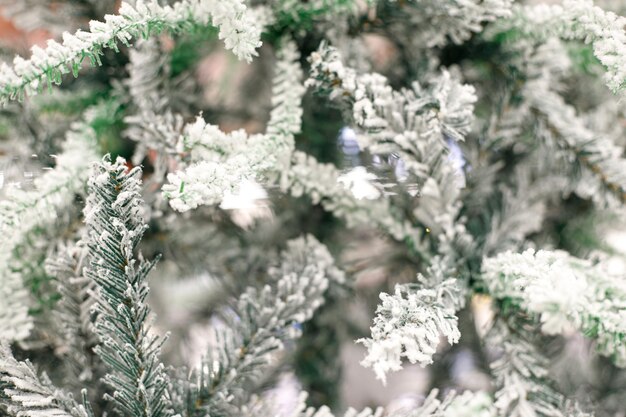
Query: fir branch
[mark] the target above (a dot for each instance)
(564, 292)
(220, 162)
(576, 20)
(445, 108)
(287, 92)
(409, 323)
(236, 29)
(28, 214)
(15, 322)
(148, 69)
(262, 320)
(207, 182)
(600, 164)
(128, 348)
(25, 394)
(412, 124)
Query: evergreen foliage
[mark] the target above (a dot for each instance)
(317, 183)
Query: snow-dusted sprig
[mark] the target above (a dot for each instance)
(409, 322)
(287, 92)
(128, 347)
(445, 107)
(413, 124)
(564, 292)
(208, 181)
(261, 321)
(599, 164)
(220, 162)
(145, 80)
(26, 394)
(22, 210)
(72, 313)
(236, 28)
(523, 387)
(153, 123)
(27, 214)
(576, 20)
(436, 22)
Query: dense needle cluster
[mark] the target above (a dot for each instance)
(423, 182)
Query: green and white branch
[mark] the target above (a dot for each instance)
(220, 162)
(577, 20)
(565, 293)
(128, 346)
(47, 66)
(261, 321)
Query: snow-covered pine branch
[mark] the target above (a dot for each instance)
(128, 347)
(410, 322)
(154, 124)
(413, 124)
(26, 215)
(221, 161)
(564, 292)
(576, 20)
(262, 319)
(26, 394)
(381, 113)
(15, 323)
(236, 28)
